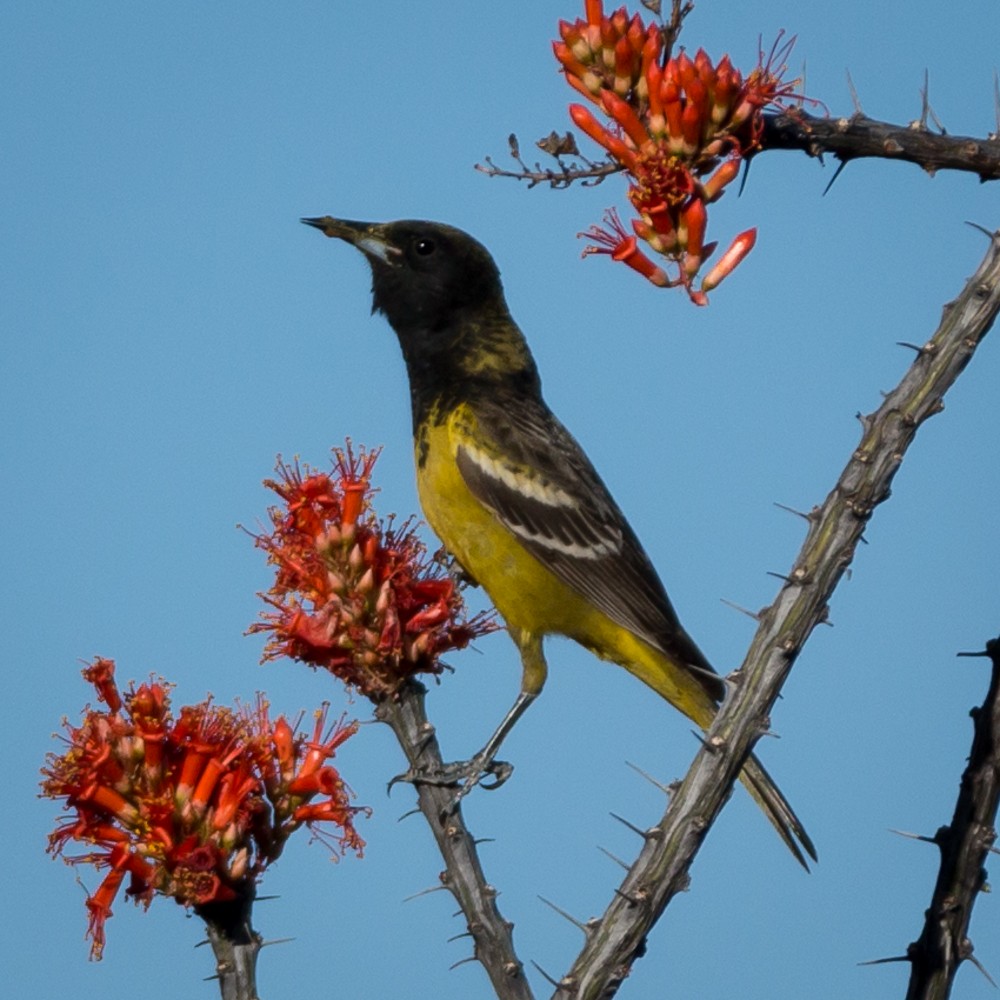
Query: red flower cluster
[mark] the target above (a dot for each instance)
(680, 127)
(193, 806)
(353, 595)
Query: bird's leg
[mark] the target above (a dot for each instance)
(470, 773)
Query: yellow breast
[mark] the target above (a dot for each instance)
(527, 594)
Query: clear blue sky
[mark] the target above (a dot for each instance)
(169, 328)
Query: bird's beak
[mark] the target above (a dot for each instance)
(368, 237)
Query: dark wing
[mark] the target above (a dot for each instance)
(537, 481)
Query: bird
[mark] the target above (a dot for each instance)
(514, 498)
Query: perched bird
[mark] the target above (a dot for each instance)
(512, 495)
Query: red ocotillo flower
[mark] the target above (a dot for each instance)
(354, 595)
(680, 127)
(195, 804)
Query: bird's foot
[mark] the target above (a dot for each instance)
(465, 774)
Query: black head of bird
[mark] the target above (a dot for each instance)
(424, 274)
(440, 291)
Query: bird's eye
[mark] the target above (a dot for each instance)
(424, 246)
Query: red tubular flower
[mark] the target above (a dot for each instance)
(623, 113)
(616, 242)
(585, 121)
(350, 593)
(691, 122)
(595, 11)
(101, 673)
(680, 127)
(728, 172)
(695, 218)
(624, 67)
(725, 265)
(233, 814)
(99, 907)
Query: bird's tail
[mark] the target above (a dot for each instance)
(776, 808)
(689, 690)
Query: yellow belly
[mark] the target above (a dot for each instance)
(527, 595)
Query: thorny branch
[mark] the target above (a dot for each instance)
(492, 939)
(964, 844)
(235, 944)
(661, 871)
(845, 139)
(859, 136)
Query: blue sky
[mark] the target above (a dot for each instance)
(170, 328)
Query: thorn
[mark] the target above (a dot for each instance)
(913, 836)
(975, 961)
(854, 95)
(631, 900)
(266, 899)
(710, 675)
(563, 913)
(989, 234)
(618, 861)
(552, 982)
(483, 840)
(461, 961)
(458, 937)
(842, 162)
(912, 347)
(713, 745)
(424, 892)
(631, 826)
(780, 576)
(924, 103)
(656, 784)
(792, 510)
(746, 169)
(983, 653)
(996, 102)
(885, 961)
(926, 108)
(284, 940)
(407, 815)
(739, 607)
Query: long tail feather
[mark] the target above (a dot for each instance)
(776, 808)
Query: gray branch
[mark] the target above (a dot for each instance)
(235, 944)
(836, 527)
(860, 136)
(492, 937)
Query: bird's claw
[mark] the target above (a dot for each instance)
(464, 773)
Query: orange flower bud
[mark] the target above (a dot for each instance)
(588, 124)
(695, 219)
(713, 188)
(738, 249)
(625, 115)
